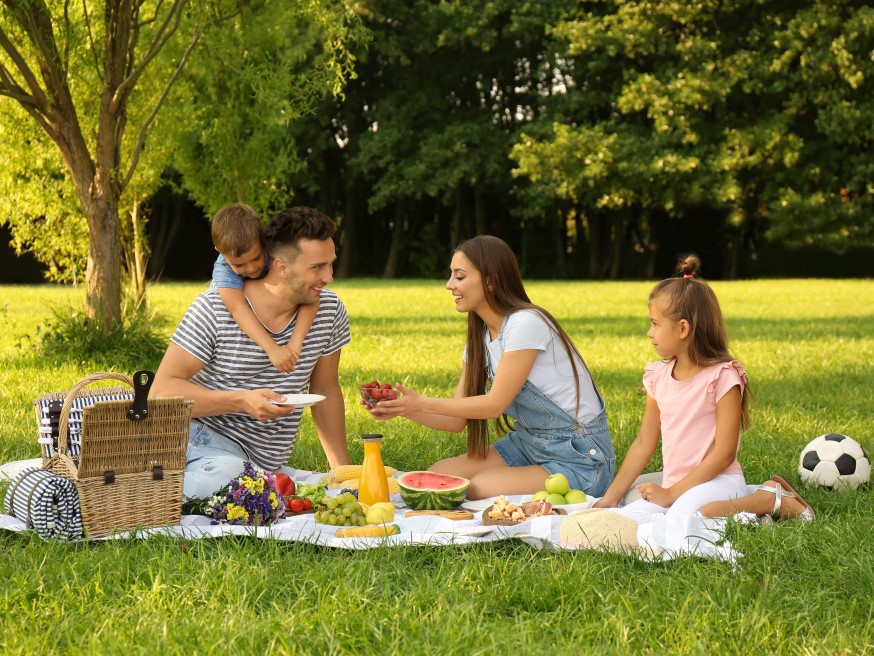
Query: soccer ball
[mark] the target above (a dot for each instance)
(834, 461)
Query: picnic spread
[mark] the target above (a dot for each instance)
(113, 462)
(663, 539)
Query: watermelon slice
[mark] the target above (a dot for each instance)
(424, 490)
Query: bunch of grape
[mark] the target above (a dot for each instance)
(342, 510)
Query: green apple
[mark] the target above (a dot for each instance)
(575, 496)
(556, 499)
(540, 495)
(557, 484)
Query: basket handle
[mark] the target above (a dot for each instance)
(142, 382)
(71, 396)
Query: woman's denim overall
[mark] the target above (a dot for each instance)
(546, 435)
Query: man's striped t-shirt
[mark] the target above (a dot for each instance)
(233, 361)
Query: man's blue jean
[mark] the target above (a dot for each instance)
(212, 461)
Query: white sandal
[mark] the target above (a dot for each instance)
(783, 489)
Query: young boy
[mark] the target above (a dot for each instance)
(236, 235)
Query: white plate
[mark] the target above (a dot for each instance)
(478, 505)
(300, 400)
(568, 507)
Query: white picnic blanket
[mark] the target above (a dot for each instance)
(666, 538)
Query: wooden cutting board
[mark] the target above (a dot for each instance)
(448, 514)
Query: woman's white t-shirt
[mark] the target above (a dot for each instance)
(552, 373)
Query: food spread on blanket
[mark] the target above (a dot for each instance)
(374, 392)
(504, 510)
(558, 492)
(342, 510)
(425, 490)
(380, 512)
(349, 477)
(456, 515)
(379, 531)
(303, 497)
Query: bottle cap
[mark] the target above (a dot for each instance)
(371, 437)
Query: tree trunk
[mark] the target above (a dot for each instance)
(559, 234)
(735, 245)
(103, 272)
(136, 254)
(480, 209)
(457, 212)
(596, 229)
(346, 264)
(391, 262)
(617, 234)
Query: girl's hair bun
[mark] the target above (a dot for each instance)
(689, 265)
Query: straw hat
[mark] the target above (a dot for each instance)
(601, 529)
(633, 494)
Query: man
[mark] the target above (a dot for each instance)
(232, 381)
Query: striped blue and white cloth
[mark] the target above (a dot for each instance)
(45, 502)
(47, 422)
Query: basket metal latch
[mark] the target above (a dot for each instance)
(139, 409)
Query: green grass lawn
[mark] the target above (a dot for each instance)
(808, 346)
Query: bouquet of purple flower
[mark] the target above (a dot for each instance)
(250, 499)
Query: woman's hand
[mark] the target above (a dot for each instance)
(604, 502)
(656, 494)
(401, 407)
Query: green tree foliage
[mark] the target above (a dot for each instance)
(252, 81)
(93, 78)
(418, 152)
(761, 110)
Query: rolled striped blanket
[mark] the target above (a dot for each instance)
(45, 502)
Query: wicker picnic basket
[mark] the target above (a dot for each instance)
(131, 461)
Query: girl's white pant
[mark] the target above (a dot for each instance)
(721, 488)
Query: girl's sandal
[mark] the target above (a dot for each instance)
(783, 489)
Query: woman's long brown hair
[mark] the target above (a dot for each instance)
(505, 294)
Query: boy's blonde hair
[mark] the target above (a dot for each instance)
(236, 229)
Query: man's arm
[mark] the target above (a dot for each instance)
(173, 379)
(329, 415)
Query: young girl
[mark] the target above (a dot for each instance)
(536, 376)
(697, 398)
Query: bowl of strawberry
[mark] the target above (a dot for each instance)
(374, 392)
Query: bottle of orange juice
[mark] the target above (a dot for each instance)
(373, 486)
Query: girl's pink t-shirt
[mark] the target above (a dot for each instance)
(688, 413)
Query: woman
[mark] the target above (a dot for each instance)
(520, 363)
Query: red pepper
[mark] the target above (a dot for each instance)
(285, 487)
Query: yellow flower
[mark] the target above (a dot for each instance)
(254, 485)
(237, 512)
(273, 501)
